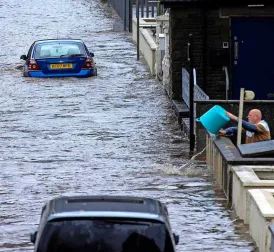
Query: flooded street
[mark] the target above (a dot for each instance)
(111, 134)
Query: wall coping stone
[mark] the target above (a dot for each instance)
(149, 40)
(233, 156)
(235, 101)
(265, 201)
(247, 175)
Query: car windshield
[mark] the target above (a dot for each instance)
(104, 236)
(51, 50)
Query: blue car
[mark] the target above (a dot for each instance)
(59, 58)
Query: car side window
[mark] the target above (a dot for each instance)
(87, 49)
(30, 51)
(43, 220)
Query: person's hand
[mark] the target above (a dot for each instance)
(231, 116)
(222, 132)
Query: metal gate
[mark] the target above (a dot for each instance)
(127, 8)
(124, 10)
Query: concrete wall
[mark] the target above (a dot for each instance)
(261, 216)
(244, 179)
(162, 29)
(147, 44)
(254, 205)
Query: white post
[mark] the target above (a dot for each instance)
(241, 107)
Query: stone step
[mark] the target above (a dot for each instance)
(180, 108)
(185, 126)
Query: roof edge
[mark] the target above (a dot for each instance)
(215, 3)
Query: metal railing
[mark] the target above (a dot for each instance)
(185, 86)
(199, 94)
(124, 10)
(271, 229)
(149, 8)
(226, 82)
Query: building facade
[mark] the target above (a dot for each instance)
(233, 46)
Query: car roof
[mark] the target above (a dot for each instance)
(58, 40)
(110, 203)
(107, 206)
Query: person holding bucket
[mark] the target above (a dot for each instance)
(255, 129)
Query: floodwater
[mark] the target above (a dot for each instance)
(114, 134)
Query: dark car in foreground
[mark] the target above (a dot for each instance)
(104, 224)
(59, 58)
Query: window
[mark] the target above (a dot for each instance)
(48, 50)
(105, 236)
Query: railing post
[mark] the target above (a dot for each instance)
(125, 15)
(147, 9)
(130, 15)
(137, 16)
(271, 228)
(191, 94)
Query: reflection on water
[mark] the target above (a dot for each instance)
(112, 134)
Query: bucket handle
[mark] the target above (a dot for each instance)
(198, 120)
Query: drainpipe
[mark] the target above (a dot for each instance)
(204, 85)
(130, 16)
(137, 16)
(191, 94)
(125, 15)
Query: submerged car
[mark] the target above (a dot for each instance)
(104, 224)
(59, 58)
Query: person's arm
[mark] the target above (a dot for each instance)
(246, 125)
(249, 126)
(228, 131)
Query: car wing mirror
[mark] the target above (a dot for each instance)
(176, 238)
(33, 237)
(23, 57)
(91, 54)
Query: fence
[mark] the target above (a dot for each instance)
(127, 8)
(271, 229)
(199, 94)
(124, 10)
(149, 8)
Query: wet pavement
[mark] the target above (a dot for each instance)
(111, 134)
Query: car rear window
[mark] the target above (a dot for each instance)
(104, 236)
(48, 50)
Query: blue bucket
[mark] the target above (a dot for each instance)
(214, 119)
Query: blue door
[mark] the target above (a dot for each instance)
(253, 56)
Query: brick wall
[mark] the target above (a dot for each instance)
(217, 32)
(183, 23)
(208, 32)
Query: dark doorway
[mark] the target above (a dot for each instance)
(253, 56)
